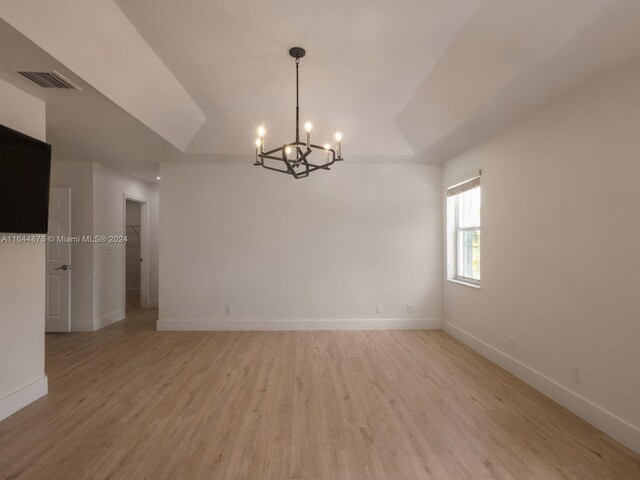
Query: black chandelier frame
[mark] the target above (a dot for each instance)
(302, 149)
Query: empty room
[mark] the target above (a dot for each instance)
(319, 240)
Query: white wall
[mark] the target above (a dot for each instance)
(22, 280)
(97, 206)
(560, 264)
(109, 189)
(79, 176)
(326, 249)
(153, 214)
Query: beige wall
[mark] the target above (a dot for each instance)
(560, 264)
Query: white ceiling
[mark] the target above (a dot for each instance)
(608, 39)
(500, 41)
(405, 81)
(364, 60)
(95, 40)
(83, 125)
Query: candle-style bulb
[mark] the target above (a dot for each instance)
(339, 140)
(258, 148)
(308, 127)
(261, 131)
(327, 153)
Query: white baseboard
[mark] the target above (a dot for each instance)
(84, 326)
(23, 397)
(329, 324)
(108, 319)
(609, 423)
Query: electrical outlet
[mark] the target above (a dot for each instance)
(577, 374)
(512, 343)
(378, 308)
(228, 310)
(409, 308)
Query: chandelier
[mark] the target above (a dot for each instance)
(294, 158)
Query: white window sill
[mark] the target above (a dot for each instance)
(462, 282)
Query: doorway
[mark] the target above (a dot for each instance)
(135, 251)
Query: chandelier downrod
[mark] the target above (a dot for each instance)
(297, 102)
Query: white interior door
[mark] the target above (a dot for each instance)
(58, 308)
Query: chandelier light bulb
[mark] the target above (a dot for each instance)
(287, 151)
(338, 137)
(258, 149)
(261, 131)
(327, 153)
(308, 126)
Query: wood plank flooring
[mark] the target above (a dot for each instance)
(128, 402)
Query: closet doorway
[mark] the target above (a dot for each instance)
(135, 231)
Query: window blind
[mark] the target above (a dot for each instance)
(463, 187)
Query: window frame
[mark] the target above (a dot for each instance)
(456, 235)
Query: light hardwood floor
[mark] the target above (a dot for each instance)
(132, 403)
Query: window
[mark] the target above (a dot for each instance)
(463, 206)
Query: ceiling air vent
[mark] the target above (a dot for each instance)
(51, 79)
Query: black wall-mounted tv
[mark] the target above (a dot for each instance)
(25, 168)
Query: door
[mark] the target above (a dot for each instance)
(58, 258)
